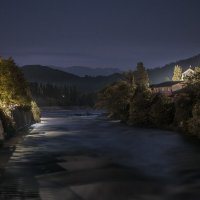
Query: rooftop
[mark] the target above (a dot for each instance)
(166, 84)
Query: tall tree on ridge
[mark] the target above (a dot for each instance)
(141, 76)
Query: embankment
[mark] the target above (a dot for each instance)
(18, 119)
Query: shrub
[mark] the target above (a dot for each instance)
(183, 111)
(139, 108)
(193, 124)
(161, 113)
(35, 111)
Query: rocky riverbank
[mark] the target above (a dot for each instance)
(17, 120)
(11, 132)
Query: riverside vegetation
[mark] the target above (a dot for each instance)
(17, 108)
(131, 100)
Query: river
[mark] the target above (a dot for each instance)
(78, 154)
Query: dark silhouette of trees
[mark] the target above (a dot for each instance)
(141, 76)
(119, 98)
(134, 103)
(63, 95)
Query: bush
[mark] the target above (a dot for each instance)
(183, 111)
(139, 108)
(7, 124)
(161, 113)
(193, 124)
(36, 111)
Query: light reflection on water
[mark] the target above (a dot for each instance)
(155, 151)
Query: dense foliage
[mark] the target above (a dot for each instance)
(15, 95)
(134, 103)
(52, 87)
(13, 87)
(119, 98)
(177, 73)
(55, 95)
(46, 75)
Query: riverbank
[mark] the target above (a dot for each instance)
(13, 120)
(12, 131)
(8, 147)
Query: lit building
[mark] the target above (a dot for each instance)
(189, 72)
(169, 87)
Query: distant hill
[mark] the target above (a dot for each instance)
(158, 75)
(43, 74)
(88, 71)
(47, 75)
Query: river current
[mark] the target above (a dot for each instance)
(79, 154)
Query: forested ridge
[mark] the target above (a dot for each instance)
(47, 75)
(52, 87)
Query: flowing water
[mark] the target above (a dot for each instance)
(78, 154)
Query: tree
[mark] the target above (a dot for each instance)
(192, 109)
(161, 111)
(197, 69)
(139, 107)
(177, 75)
(36, 111)
(129, 80)
(117, 98)
(192, 86)
(14, 89)
(141, 76)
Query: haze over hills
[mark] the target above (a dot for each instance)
(44, 74)
(38, 73)
(88, 71)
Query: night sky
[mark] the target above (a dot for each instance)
(99, 33)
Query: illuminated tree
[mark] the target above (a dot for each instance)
(13, 87)
(197, 69)
(36, 111)
(177, 73)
